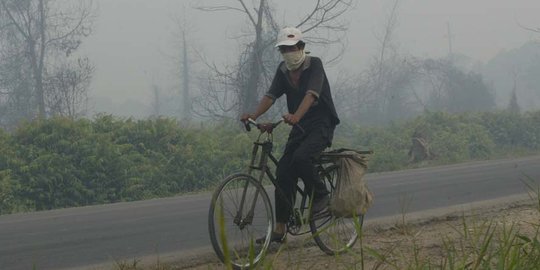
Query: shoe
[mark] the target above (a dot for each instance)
(275, 237)
(320, 204)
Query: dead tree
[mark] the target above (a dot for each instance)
(251, 76)
(513, 105)
(66, 89)
(45, 30)
(183, 62)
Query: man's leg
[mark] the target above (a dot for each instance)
(297, 162)
(302, 161)
(284, 193)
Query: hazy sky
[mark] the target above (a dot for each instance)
(133, 40)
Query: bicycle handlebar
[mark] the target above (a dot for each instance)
(263, 127)
(266, 127)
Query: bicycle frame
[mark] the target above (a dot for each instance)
(262, 166)
(261, 153)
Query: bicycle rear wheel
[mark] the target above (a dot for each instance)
(240, 212)
(335, 235)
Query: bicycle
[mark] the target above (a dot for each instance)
(241, 210)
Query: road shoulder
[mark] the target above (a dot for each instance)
(397, 237)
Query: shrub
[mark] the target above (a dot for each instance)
(59, 162)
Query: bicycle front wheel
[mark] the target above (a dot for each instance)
(335, 235)
(240, 213)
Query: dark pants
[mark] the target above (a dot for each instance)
(297, 162)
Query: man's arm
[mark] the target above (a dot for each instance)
(265, 104)
(308, 100)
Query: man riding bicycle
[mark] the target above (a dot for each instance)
(313, 116)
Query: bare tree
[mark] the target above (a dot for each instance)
(156, 104)
(184, 65)
(66, 88)
(454, 90)
(16, 99)
(528, 28)
(45, 30)
(255, 68)
(513, 105)
(380, 72)
(186, 95)
(384, 91)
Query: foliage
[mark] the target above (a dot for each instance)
(451, 138)
(8, 197)
(516, 70)
(455, 137)
(455, 90)
(513, 130)
(390, 146)
(61, 162)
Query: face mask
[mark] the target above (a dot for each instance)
(293, 60)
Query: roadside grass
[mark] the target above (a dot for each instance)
(533, 190)
(498, 243)
(475, 244)
(402, 225)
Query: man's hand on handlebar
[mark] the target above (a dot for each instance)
(244, 118)
(249, 119)
(291, 119)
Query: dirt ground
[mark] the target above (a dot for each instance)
(395, 242)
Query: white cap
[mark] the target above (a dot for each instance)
(289, 36)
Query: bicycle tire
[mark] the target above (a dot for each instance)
(240, 250)
(335, 235)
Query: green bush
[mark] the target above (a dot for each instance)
(389, 144)
(59, 162)
(62, 163)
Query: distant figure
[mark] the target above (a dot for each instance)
(419, 149)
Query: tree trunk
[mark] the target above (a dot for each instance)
(39, 65)
(38, 78)
(250, 92)
(186, 98)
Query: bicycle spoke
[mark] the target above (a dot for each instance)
(334, 235)
(242, 225)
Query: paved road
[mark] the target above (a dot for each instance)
(76, 237)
